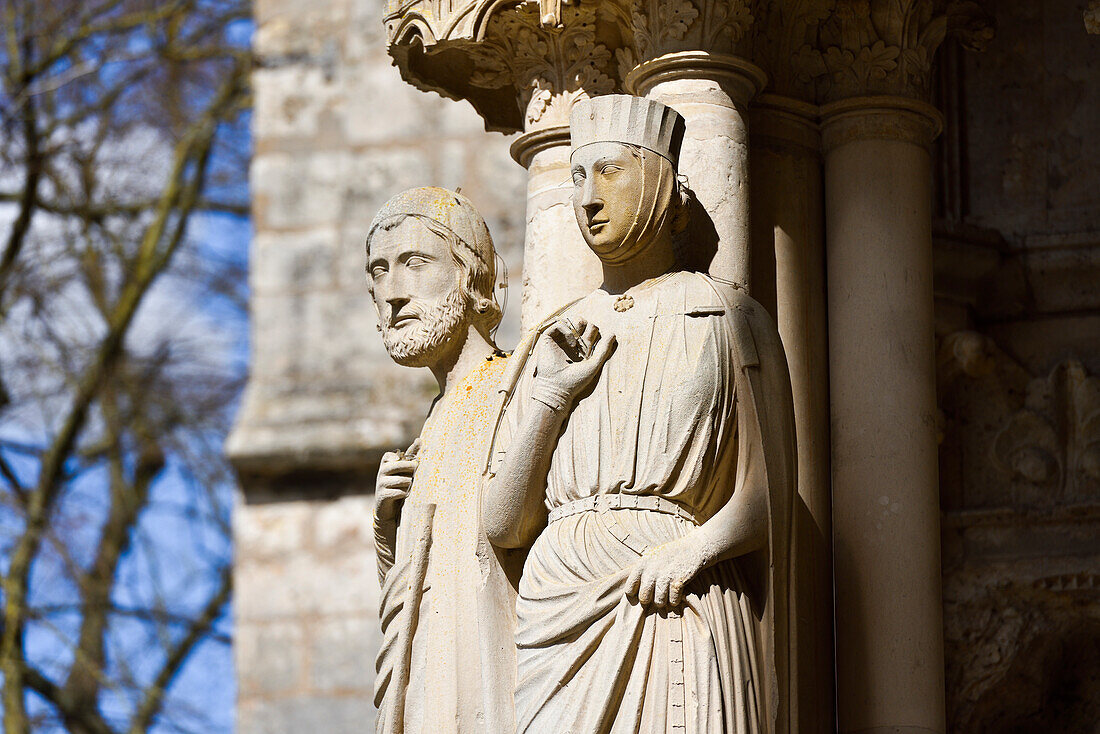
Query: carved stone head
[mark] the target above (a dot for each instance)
(625, 187)
(431, 271)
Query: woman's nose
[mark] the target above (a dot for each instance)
(590, 201)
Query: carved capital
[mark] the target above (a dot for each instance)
(836, 49)
(521, 65)
(551, 56)
(657, 28)
(784, 30)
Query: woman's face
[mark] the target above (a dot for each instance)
(608, 183)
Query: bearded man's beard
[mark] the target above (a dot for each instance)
(420, 344)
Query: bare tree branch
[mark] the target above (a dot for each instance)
(104, 405)
(154, 698)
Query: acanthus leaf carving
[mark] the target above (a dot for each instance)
(729, 19)
(551, 65)
(879, 46)
(665, 26)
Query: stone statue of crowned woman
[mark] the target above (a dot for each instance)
(646, 456)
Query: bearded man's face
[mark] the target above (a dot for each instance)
(422, 308)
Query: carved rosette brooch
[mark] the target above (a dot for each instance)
(625, 302)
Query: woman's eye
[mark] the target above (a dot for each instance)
(610, 169)
(416, 261)
(377, 271)
(578, 179)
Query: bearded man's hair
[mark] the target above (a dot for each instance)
(479, 276)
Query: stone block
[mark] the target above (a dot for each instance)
(343, 525)
(267, 531)
(305, 585)
(373, 176)
(276, 335)
(342, 652)
(296, 101)
(409, 114)
(284, 262)
(301, 190)
(270, 657)
(348, 714)
(338, 338)
(293, 29)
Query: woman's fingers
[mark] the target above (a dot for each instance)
(603, 350)
(675, 593)
(660, 591)
(648, 586)
(591, 334)
(651, 585)
(634, 580)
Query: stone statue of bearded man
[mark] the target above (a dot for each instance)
(646, 456)
(447, 658)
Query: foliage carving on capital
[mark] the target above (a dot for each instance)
(551, 66)
(786, 31)
(865, 47)
(666, 26)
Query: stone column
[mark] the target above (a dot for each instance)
(712, 91)
(789, 279)
(552, 243)
(881, 364)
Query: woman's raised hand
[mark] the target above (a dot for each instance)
(568, 357)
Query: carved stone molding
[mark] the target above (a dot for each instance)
(1012, 640)
(521, 65)
(1054, 442)
(887, 117)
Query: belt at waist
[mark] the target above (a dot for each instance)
(601, 502)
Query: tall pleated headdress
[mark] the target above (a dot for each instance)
(622, 118)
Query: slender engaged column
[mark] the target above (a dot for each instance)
(552, 243)
(712, 92)
(789, 279)
(886, 536)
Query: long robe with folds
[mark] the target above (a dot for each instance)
(693, 404)
(462, 652)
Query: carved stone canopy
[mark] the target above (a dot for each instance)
(522, 63)
(512, 61)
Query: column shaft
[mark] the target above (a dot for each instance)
(886, 537)
(712, 92)
(789, 279)
(552, 243)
